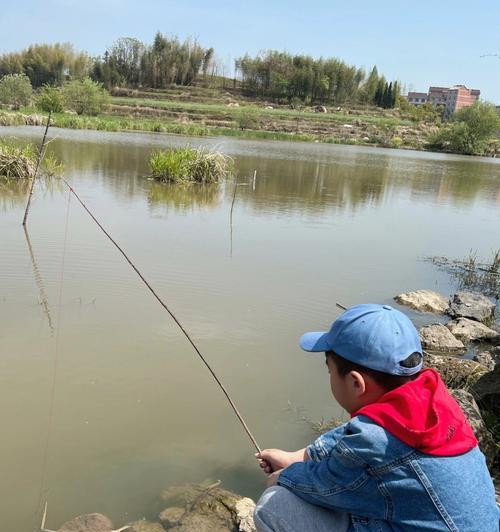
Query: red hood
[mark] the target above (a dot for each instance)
(422, 414)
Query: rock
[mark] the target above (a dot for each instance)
(485, 359)
(469, 330)
(348, 126)
(171, 516)
(456, 372)
(320, 109)
(423, 301)
(245, 509)
(269, 107)
(88, 523)
(472, 413)
(211, 510)
(437, 337)
(471, 305)
(487, 388)
(145, 526)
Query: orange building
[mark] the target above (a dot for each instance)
(458, 97)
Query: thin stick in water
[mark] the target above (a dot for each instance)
(38, 161)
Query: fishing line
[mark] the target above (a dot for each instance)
(56, 360)
(172, 315)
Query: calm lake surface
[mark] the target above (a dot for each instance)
(134, 409)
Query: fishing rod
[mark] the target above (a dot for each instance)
(172, 315)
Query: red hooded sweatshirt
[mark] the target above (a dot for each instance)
(422, 414)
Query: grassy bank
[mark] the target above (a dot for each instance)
(198, 111)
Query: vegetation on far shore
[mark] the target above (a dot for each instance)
(175, 86)
(190, 165)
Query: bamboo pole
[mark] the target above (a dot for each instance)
(38, 161)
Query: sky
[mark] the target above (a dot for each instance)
(418, 43)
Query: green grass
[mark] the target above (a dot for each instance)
(235, 112)
(107, 122)
(189, 165)
(19, 162)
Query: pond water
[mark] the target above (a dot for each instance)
(103, 401)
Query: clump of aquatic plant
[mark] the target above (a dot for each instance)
(190, 165)
(19, 162)
(472, 274)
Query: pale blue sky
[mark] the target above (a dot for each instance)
(420, 43)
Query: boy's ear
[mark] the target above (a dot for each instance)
(357, 382)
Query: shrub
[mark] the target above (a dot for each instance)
(50, 100)
(189, 165)
(470, 130)
(247, 120)
(85, 97)
(15, 90)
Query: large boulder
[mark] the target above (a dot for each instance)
(88, 523)
(208, 510)
(423, 301)
(468, 330)
(471, 305)
(437, 337)
(472, 413)
(457, 373)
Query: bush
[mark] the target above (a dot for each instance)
(15, 90)
(247, 120)
(189, 165)
(85, 97)
(470, 130)
(50, 100)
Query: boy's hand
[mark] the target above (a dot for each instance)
(271, 460)
(272, 479)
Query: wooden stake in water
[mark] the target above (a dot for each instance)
(38, 161)
(254, 178)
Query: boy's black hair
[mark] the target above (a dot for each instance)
(386, 380)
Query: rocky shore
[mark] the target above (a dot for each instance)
(473, 379)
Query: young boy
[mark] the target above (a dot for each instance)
(406, 461)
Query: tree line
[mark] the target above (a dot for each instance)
(280, 75)
(170, 61)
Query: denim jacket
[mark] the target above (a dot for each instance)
(386, 485)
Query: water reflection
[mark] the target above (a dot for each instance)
(183, 197)
(305, 178)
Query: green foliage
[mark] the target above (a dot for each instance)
(46, 63)
(283, 76)
(470, 130)
(19, 162)
(15, 90)
(189, 165)
(167, 61)
(85, 97)
(247, 119)
(419, 113)
(50, 99)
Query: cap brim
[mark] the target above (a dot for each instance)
(314, 342)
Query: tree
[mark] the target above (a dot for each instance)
(15, 90)
(470, 129)
(50, 99)
(85, 97)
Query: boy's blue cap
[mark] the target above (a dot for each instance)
(374, 336)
